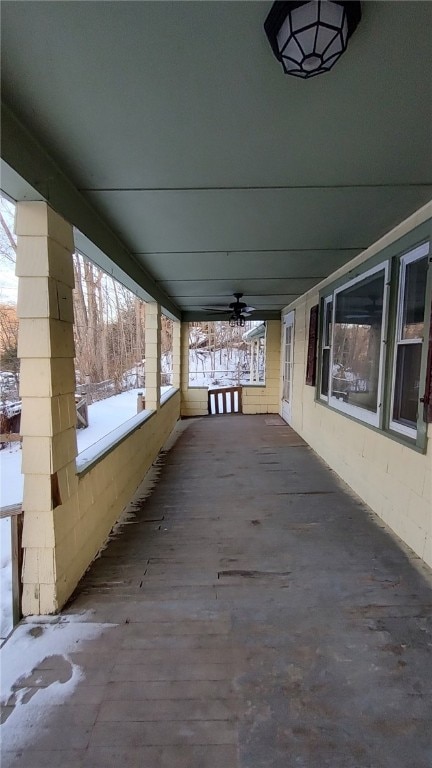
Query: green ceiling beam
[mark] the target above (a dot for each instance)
(31, 161)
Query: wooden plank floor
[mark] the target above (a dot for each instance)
(256, 615)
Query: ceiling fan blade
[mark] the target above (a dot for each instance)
(235, 308)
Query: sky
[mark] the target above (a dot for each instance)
(8, 281)
(8, 284)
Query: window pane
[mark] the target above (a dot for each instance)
(222, 356)
(327, 323)
(287, 383)
(287, 363)
(357, 343)
(166, 353)
(407, 384)
(414, 299)
(325, 372)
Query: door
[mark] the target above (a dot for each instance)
(287, 370)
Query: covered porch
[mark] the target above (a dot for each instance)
(253, 608)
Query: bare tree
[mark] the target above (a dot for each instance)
(9, 338)
(9, 252)
(109, 326)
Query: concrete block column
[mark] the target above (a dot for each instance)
(184, 367)
(184, 352)
(47, 387)
(153, 355)
(176, 353)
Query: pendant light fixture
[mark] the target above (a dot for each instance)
(309, 37)
(237, 320)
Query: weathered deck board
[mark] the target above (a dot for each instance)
(262, 616)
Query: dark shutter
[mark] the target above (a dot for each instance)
(427, 397)
(312, 346)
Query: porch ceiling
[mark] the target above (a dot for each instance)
(209, 170)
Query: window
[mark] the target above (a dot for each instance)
(408, 341)
(288, 361)
(359, 325)
(326, 346)
(222, 356)
(166, 353)
(109, 333)
(357, 350)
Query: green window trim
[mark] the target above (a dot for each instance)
(391, 258)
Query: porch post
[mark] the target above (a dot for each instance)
(152, 355)
(47, 387)
(252, 362)
(176, 326)
(184, 369)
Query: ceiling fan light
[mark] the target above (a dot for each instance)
(309, 37)
(237, 308)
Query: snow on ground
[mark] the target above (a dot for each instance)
(11, 480)
(223, 368)
(104, 417)
(22, 685)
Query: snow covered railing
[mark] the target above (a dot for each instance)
(10, 421)
(11, 409)
(81, 412)
(10, 437)
(102, 390)
(10, 510)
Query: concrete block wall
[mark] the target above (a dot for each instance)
(47, 386)
(100, 494)
(194, 400)
(393, 479)
(176, 353)
(153, 354)
(68, 515)
(265, 399)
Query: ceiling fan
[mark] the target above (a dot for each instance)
(239, 310)
(236, 307)
(371, 309)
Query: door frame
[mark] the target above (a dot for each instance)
(288, 321)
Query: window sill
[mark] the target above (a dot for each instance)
(96, 452)
(416, 444)
(168, 394)
(358, 414)
(227, 386)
